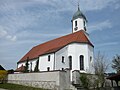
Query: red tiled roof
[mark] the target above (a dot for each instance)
(20, 69)
(56, 44)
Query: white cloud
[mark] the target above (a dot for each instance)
(88, 5)
(5, 35)
(2, 33)
(100, 26)
(16, 15)
(12, 38)
(91, 5)
(58, 5)
(117, 6)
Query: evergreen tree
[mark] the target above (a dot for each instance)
(27, 66)
(37, 66)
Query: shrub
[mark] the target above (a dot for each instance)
(85, 81)
(3, 75)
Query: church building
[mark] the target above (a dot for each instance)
(73, 51)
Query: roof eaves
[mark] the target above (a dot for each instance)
(64, 46)
(26, 60)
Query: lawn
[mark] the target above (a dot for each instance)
(17, 87)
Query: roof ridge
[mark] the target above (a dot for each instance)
(55, 39)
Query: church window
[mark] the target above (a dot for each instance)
(70, 62)
(90, 59)
(84, 26)
(48, 68)
(75, 23)
(48, 57)
(63, 60)
(81, 62)
(84, 23)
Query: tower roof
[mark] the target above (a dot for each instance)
(78, 14)
(56, 44)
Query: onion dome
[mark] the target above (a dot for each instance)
(78, 14)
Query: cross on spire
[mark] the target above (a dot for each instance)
(78, 4)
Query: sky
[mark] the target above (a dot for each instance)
(27, 23)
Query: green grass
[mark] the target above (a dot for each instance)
(17, 87)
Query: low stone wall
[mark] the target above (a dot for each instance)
(40, 84)
(54, 80)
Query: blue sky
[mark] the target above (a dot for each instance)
(27, 23)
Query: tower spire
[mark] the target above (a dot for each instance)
(79, 20)
(78, 4)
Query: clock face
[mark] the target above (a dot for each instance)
(75, 28)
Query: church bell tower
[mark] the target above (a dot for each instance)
(78, 21)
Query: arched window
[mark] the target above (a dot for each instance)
(81, 62)
(48, 68)
(48, 57)
(63, 59)
(91, 59)
(70, 62)
(75, 23)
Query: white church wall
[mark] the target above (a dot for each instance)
(91, 59)
(71, 52)
(75, 50)
(33, 61)
(20, 64)
(58, 59)
(33, 64)
(44, 63)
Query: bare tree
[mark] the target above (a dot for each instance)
(116, 63)
(100, 67)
